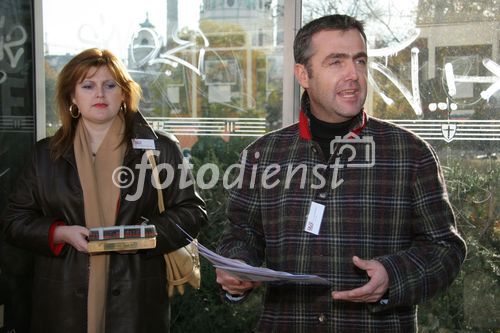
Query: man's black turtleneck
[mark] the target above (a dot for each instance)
(323, 132)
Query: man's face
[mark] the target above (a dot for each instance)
(336, 81)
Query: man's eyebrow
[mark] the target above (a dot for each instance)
(337, 56)
(358, 55)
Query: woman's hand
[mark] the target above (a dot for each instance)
(73, 235)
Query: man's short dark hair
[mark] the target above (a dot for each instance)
(302, 44)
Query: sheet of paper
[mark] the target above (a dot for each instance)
(251, 273)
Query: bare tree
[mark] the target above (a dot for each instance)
(387, 21)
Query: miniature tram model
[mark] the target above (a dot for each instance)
(122, 238)
(122, 231)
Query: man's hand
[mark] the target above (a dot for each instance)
(233, 285)
(73, 235)
(373, 290)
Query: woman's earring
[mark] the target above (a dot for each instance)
(123, 107)
(72, 111)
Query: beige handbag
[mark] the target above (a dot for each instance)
(183, 264)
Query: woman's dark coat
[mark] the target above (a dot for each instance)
(50, 191)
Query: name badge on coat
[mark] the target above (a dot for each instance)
(314, 218)
(143, 143)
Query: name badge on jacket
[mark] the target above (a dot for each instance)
(314, 218)
(143, 143)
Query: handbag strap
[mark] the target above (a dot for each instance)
(156, 177)
(161, 207)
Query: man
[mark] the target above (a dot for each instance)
(351, 198)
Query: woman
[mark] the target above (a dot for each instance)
(71, 185)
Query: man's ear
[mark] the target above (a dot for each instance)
(301, 75)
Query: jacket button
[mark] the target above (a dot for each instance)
(322, 318)
(314, 150)
(115, 292)
(323, 195)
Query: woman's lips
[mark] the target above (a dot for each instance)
(100, 105)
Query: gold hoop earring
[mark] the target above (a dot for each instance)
(123, 107)
(72, 111)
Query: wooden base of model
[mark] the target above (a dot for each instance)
(116, 245)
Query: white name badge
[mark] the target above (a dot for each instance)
(314, 218)
(143, 144)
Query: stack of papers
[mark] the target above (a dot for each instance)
(246, 272)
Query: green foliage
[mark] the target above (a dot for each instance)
(273, 110)
(223, 35)
(472, 302)
(204, 310)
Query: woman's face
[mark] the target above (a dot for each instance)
(98, 96)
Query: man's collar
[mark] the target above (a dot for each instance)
(304, 124)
